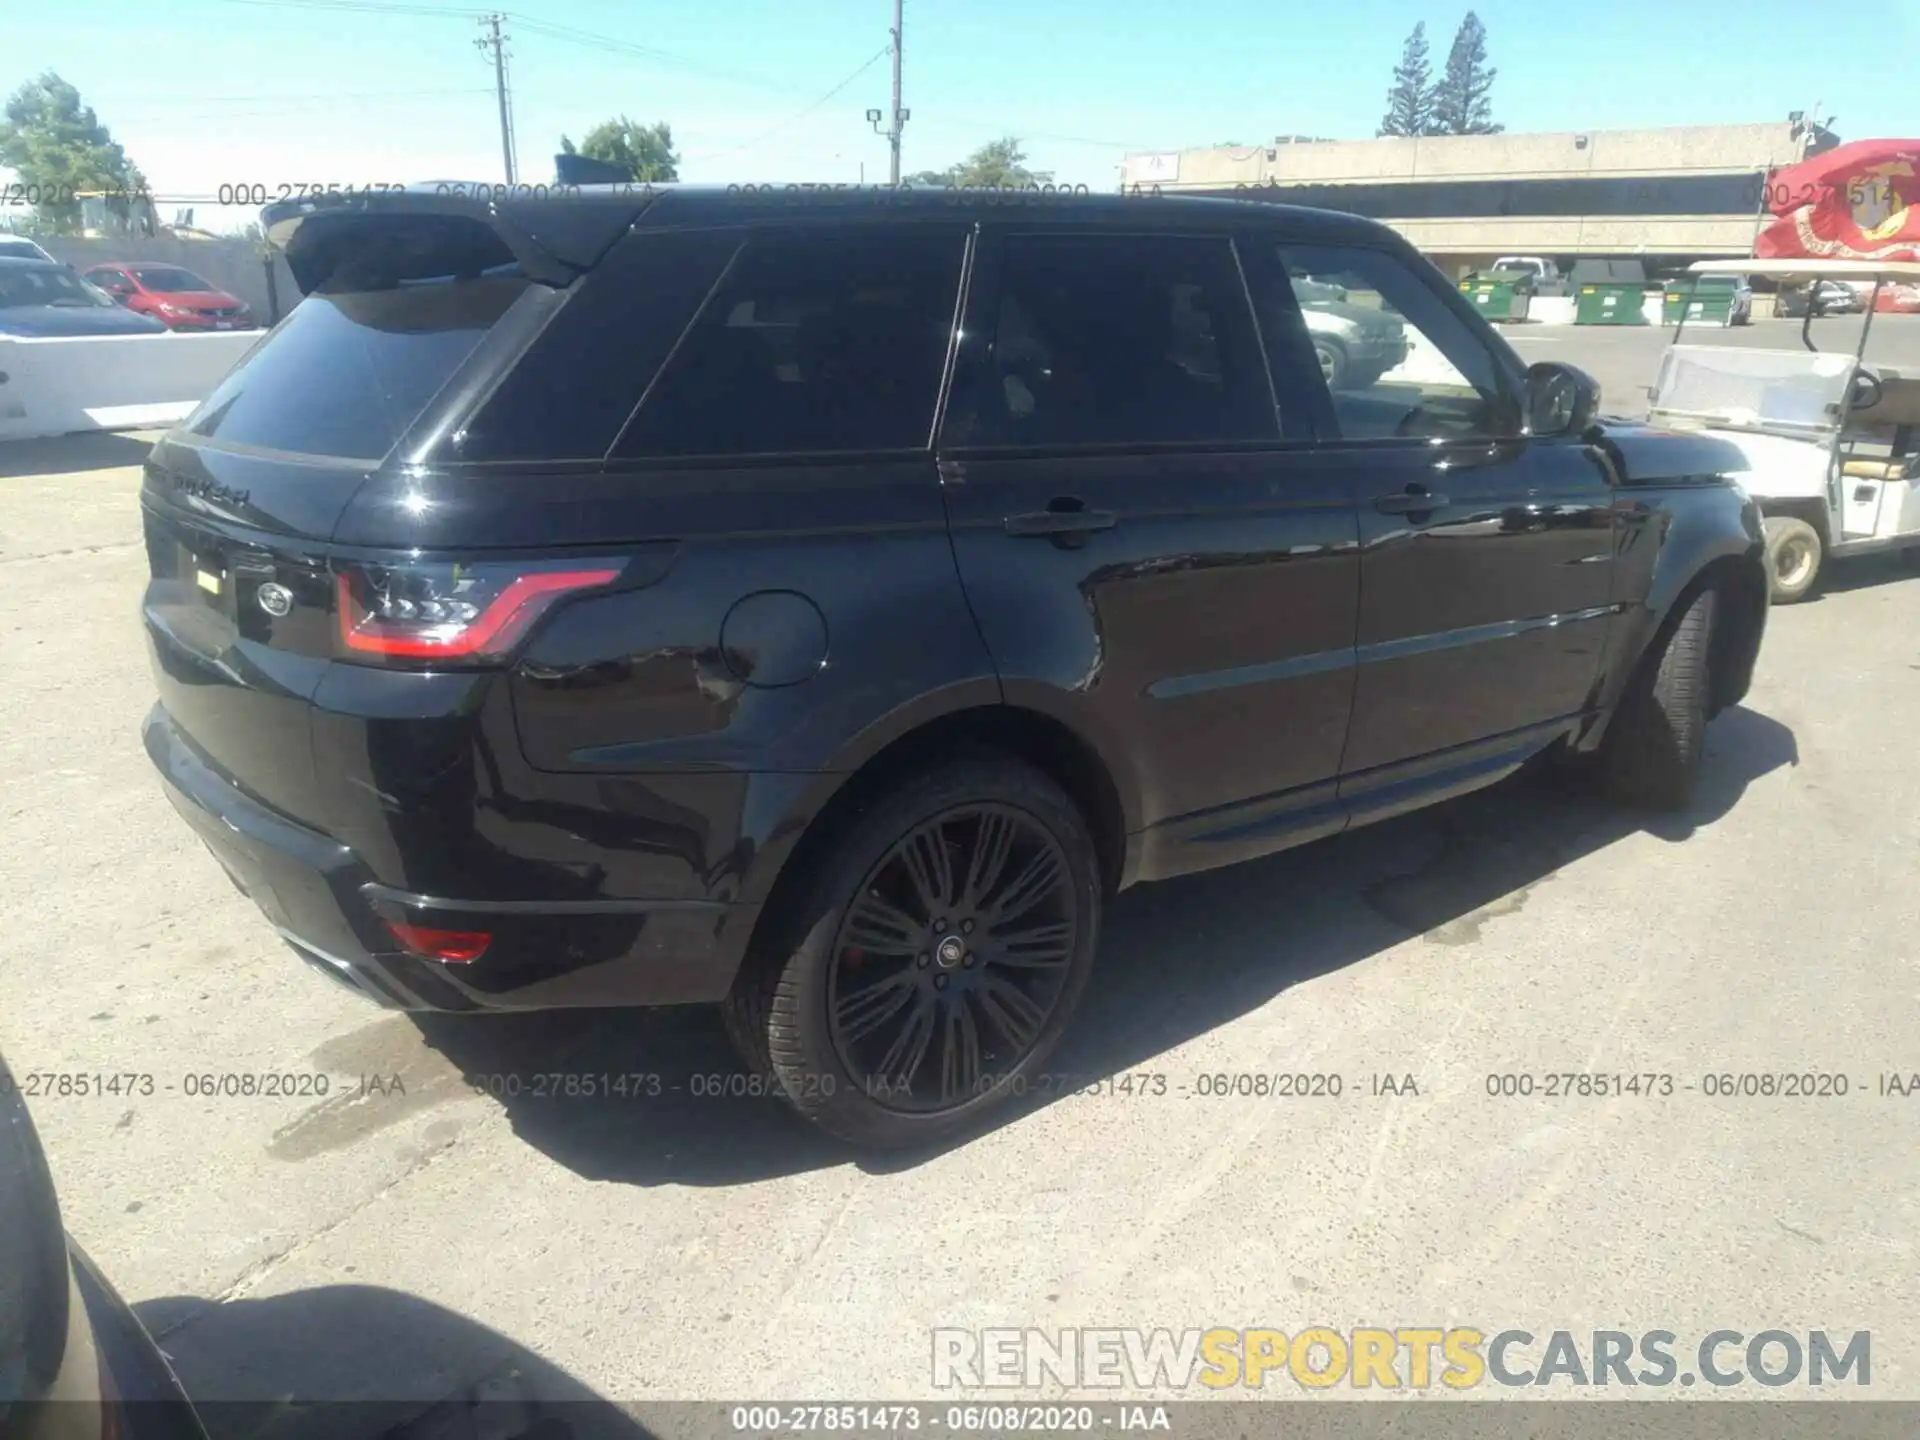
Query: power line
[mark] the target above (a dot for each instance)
(570, 33)
(794, 119)
(363, 7)
(331, 98)
(598, 41)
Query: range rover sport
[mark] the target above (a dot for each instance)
(821, 605)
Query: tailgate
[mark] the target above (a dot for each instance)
(238, 606)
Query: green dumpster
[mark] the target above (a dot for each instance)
(1500, 294)
(1610, 305)
(1704, 300)
(1609, 292)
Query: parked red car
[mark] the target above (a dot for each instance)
(178, 298)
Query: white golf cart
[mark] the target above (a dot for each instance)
(1832, 444)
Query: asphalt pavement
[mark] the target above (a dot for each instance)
(428, 1229)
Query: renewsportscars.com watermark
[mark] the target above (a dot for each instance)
(1405, 1358)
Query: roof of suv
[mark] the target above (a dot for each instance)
(703, 204)
(575, 224)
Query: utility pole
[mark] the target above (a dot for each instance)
(495, 42)
(899, 114)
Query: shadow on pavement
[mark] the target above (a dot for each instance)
(692, 1114)
(1176, 960)
(1865, 572)
(354, 1362)
(62, 454)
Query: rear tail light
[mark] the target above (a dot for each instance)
(452, 612)
(451, 947)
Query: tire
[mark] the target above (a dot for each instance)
(1332, 356)
(1795, 555)
(959, 1025)
(1651, 755)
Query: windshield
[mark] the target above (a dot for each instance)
(170, 279)
(1794, 390)
(46, 285)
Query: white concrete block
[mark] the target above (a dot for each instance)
(110, 382)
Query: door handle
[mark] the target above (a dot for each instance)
(1415, 499)
(1061, 517)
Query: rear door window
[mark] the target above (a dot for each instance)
(1117, 340)
(814, 342)
(568, 396)
(350, 370)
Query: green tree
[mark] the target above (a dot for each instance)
(645, 150)
(1462, 100)
(1410, 101)
(1000, 163)
(57, 145)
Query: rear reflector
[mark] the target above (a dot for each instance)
(454, 947)
(448, 611)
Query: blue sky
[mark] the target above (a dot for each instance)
(203, 92)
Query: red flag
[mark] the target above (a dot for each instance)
(1859, 201)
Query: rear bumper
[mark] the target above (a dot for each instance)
(324, 901)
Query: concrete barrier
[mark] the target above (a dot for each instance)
(1550, 310)
(110, 382)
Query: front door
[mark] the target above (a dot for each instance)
(1153, 549)
(1486, 573)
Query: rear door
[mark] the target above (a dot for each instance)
(1486, 576)
(1151, 547)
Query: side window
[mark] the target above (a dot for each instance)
(814, 342)
(1399, 363)
(569, 394)
(1116, 339)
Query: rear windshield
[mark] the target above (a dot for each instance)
(349, 370)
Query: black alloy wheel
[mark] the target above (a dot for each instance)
(933, 957)
(952, 959)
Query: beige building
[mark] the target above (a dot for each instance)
(1667, 195)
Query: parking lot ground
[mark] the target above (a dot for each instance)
(407, 1238)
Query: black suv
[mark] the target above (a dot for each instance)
(822, 603)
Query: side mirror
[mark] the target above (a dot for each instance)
(1561, 399)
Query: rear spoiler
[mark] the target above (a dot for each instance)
(554, 233)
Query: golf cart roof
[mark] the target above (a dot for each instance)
(1889, 271)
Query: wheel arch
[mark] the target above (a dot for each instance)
(1733, 565)
(970, 719)
(1739, 624)
(1810, 508)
